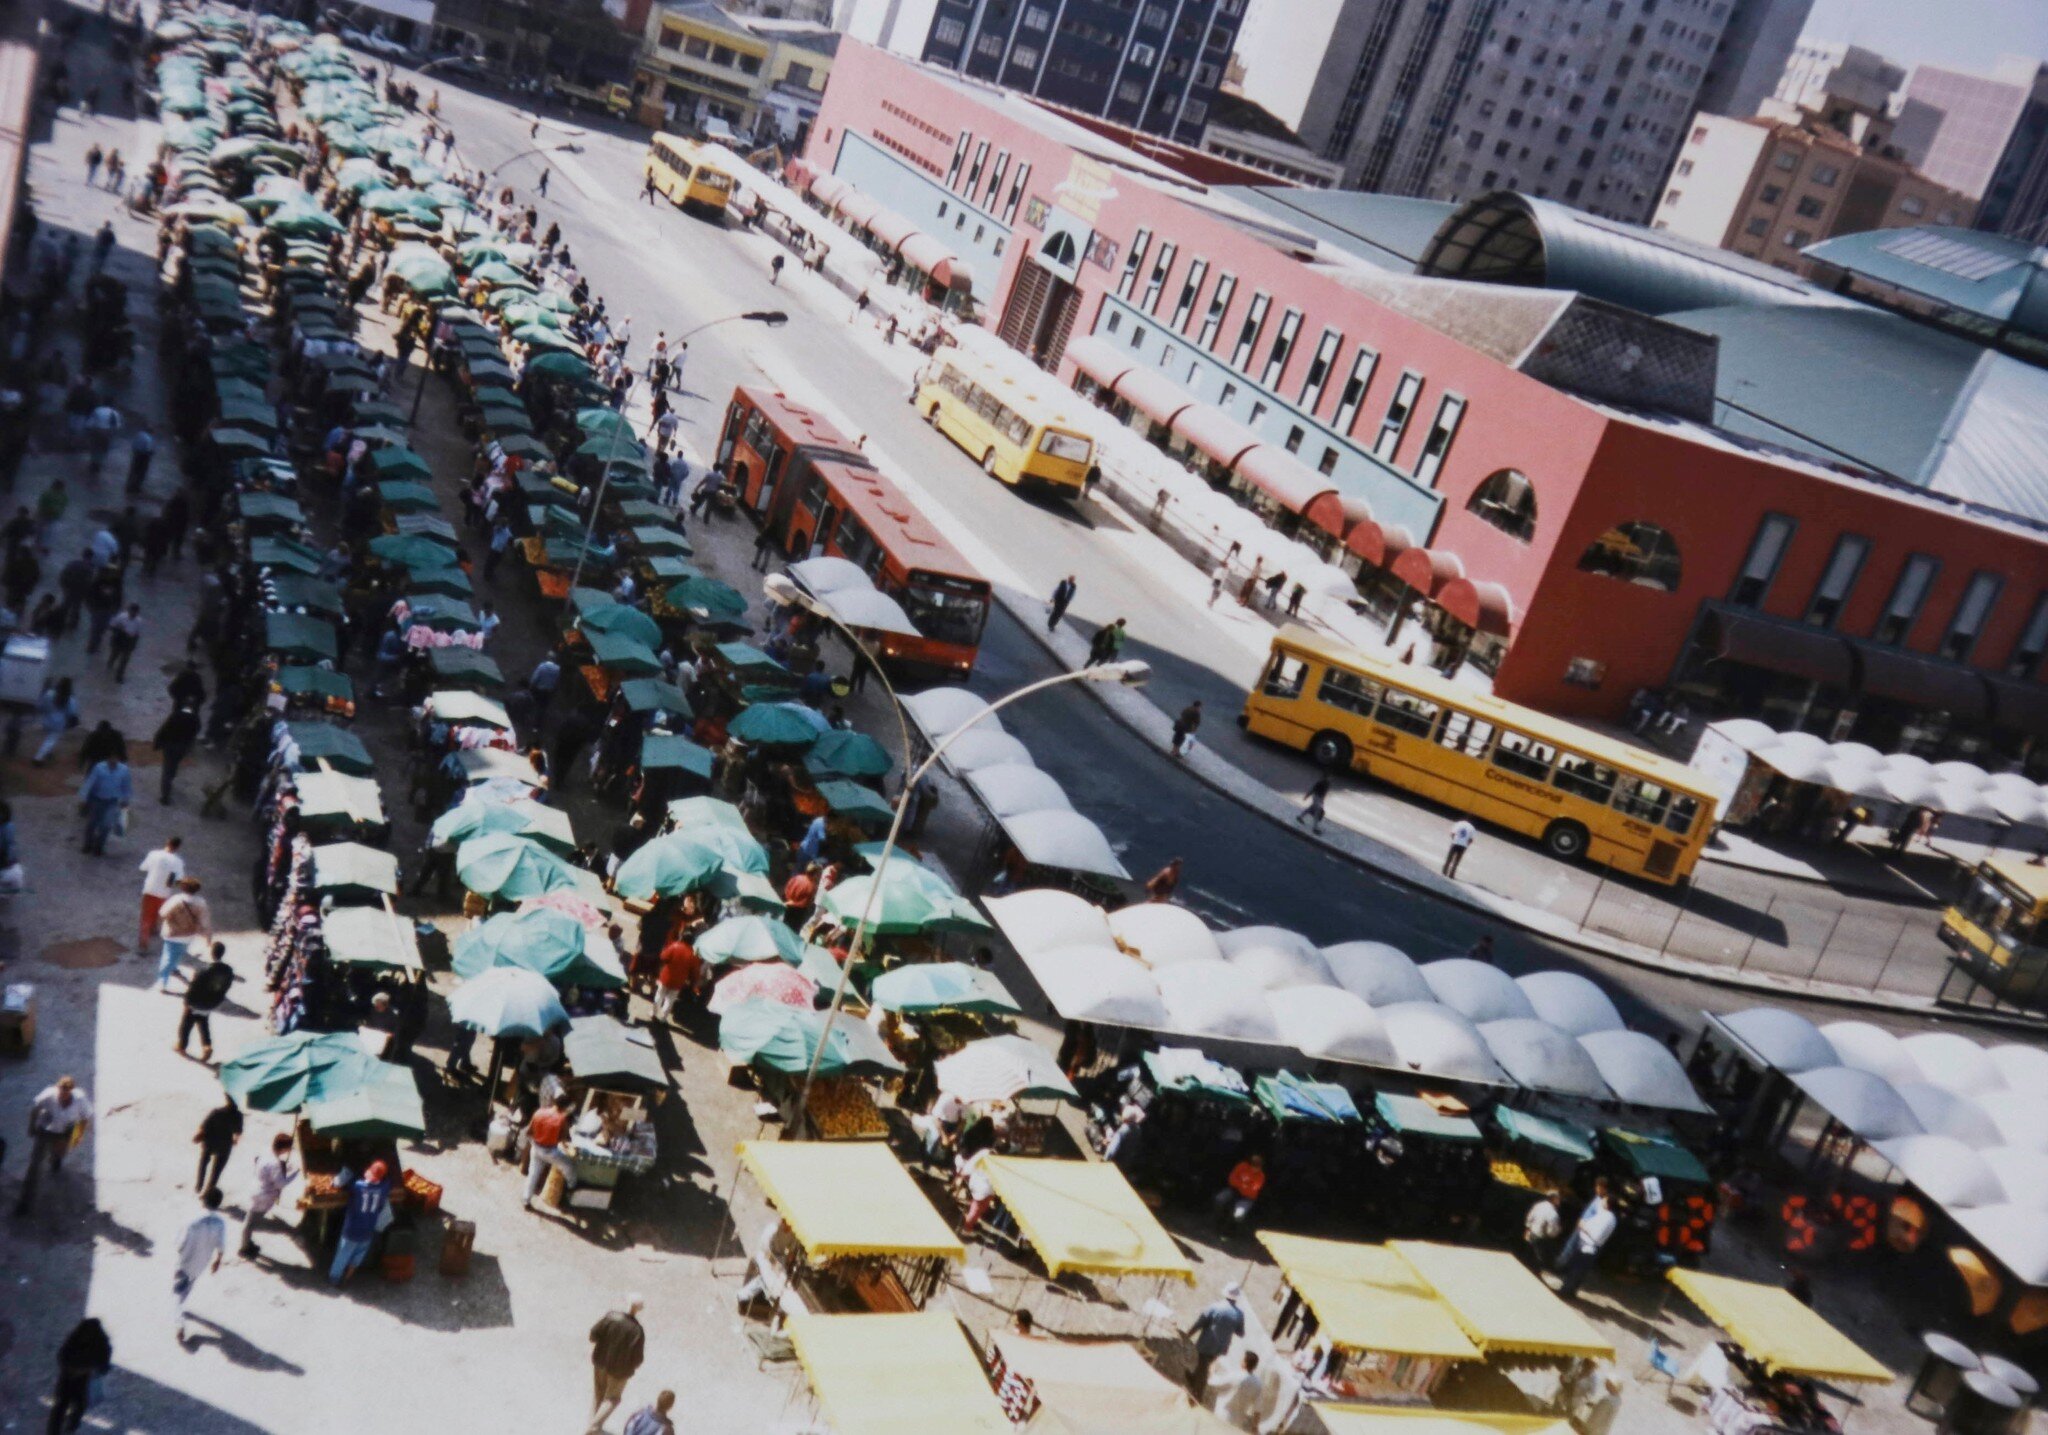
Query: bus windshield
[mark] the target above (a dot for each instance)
(945, 612)
(1071, 447)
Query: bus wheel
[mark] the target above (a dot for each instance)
(1330, 750)
(988, 463)
(1566, 840)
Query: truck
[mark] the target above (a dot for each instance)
(612, 97)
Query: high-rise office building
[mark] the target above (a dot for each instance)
(1991, 141)
(1585, 101)
(1150, 65)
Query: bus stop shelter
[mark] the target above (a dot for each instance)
(884, 1374)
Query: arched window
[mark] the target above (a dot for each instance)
(1507, 500)
(1635, 553)
(1060, 249)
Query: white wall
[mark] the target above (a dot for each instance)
(1281, 45)
(897, 25)
(1710, 195)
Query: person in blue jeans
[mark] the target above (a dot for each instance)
(109, 788)
(368, 1200)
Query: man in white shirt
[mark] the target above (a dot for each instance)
(160, 870)
(200, 1247)
(1463, 835)
(1582, 1248)
(56, 1113)
(1540, 1230)
(273, 1173)
(1242, 1395)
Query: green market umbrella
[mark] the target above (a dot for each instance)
(616, 446)
(429, 284)
(653, 695)
(298, 590)
(443, 614)
(778, 725)
(387, 1106)
(337, 747)
(284, 553)
(401, 201)
(476, 816)
(749, 939)
(851, 800)
(671, 752)
(371, 937)
(522, 314)
(316, 682)
(281, 1074)
(449, 580)
(508, 1001)
(306, 640)
(499, 274)
(689, 814)
(942, 986)
(666, 567)
(638, 510)
(470, 708)
(911, 899)
(244, 146)
(605, 1053)
(270, 507)
(231, 441)
(620, 621)
(736, 849)
(222, 210)
(667, 866)
(707, 597)
(502, 864)
(559, 366)
(304, 219)
(841, 753)
(627, 655)
(352, 867)
(480, 251)
(650, 539)
(407, 497)
(392, 461)
(540, 336)
(603, 421)
(551, 943)
(785, 1038)
(410, 550)
(429, 525)
(464, 666)
(334, 806)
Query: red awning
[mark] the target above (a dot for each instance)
(1379, 544)
(797, 175)
(857, 208)
(1428, 570)
(1338, 513)
(1152, 394)
(1485, 606)
(828, 189)
(921, 251)
(954, 273)
(1100, 360)
(1274, 472)
(892, 228)
(1215, 433)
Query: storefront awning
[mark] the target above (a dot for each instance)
(1379, 544)
(1152, 394)
(1481, 605)
(1427, 570)
(798, 174)
(828, 189)
(954, 273)
(1338, 513)
(891, 228)
(1215, 433)
(1786, 648)
(1100, 360)
(1273, 472)
(1923, 682)
(857, 208)
(2019, 707)
(921, 251)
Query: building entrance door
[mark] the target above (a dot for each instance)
(1039, 318)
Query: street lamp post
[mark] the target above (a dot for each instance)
(784, 590)
(569, 148)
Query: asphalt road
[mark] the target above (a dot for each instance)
(670, 271)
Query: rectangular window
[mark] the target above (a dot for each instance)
(1836, 581)
(1219, 304)
(1016, 193)
(1348, 402)
(995, 182)
(989, 44)
(1133, 262)
(959, 156)
(1347, 691)
(1142, 56)
(1248, 333)
(949, 32)
(1405, 712)
(1809, 208)
(1766, 552)
(1037, 19)
(1295, 434)
(1157, 283)
(1319, 367)
(1025, 56)
(1524, 756)
(1977, 602)
(1327, 465)
(1909, 595)
(1450, 412)
(2027, 652)
(1283, 348)
(1398, 413)
(974, 170)
(1825, 175)
(1190, 290)
(1465, 734)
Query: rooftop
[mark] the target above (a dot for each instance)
(2001, 280)
(1386, 231)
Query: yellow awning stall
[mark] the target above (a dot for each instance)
(1367, 1298)
(848, 1199)
(885, 1374)
(1398, 1420)
(1084, 1216)
(1500, 1304)
(1782, 1335)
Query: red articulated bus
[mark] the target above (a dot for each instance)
(800, 478)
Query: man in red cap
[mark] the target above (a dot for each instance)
(369, 1208)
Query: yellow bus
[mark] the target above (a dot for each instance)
(1021, 431)
(1998, 928)
(1582, 794)
(682, 170)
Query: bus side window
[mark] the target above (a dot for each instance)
(1285, 677)
(1644, 801)
(1680, 818)
(1583, 777)
(1524, 755)
(1349, 691)
(1407, 713)
(1464, 733)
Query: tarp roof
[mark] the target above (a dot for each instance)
(1401, 1420)
(1500, 1303)
(1106, 1387)
(884, 1374)
(1777, 1330)
(1084, 1216)
(1368, 1298)
(852, 1199)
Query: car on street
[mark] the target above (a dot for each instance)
(375, 43)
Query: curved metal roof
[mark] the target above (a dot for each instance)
(1992, 276)
(1508, 238)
